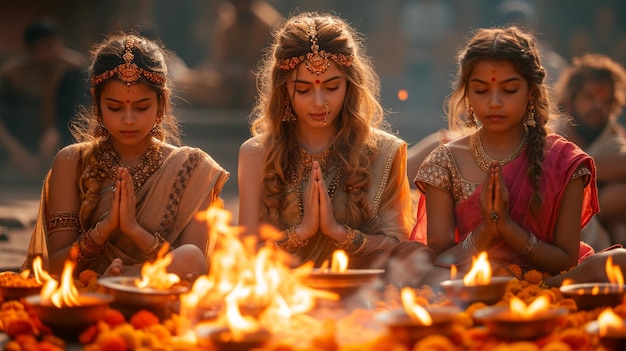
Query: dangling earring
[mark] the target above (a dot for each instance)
(157, 131)
(100, 131)
(530, 119)
(471, 118)
(288, 115)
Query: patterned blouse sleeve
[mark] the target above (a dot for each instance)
(435, 170)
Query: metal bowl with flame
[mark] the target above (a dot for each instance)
(612, 337)
(505, 325)
(345, 283)
(591, 295)
(222, 339)
(14, 287)
(129, 298)
(464, 295)
(70, 321)
(408, 331)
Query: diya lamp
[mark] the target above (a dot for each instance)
(519, 321)
(477, 285)
(14, 286)
(414, 322)
(156, 290)
(592, 295)
(610, 328)
(63, 309)
(339, 279)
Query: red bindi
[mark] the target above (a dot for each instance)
(493, 79)
(317, 81)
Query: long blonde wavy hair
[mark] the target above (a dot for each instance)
(354, 144)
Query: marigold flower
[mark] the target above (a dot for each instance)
(533, 276)
(113, 317)
(17, 326)
(88, 335)
(110, 341)
(87, 275)
(434, 343)
(556, 345)
(143, 319)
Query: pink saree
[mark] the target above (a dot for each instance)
(562, 160)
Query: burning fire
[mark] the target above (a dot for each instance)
(414, 310)
(246, 290)
(65, 295)
(607, 321)
(480, 273)
(519, 309)
(614, 273)
(339, 262)
(41, 276)
(154, 274)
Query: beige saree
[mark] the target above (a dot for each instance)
(166, 203)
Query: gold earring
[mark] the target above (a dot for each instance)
(471, 118)
(288, 115)
(100, 131)
(530, 119)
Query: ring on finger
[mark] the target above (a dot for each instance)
(494, 216)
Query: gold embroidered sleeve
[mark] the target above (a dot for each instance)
(435, 170)
(63, 221)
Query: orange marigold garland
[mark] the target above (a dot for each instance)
(143, 319)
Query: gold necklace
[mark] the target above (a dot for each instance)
(149, 163)
(483, 160)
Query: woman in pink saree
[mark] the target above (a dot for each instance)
(510, 186)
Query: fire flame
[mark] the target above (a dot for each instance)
(339, 263)
(609, 320)
(519, 309)
(64, 295)
(41, 276)
(480, 273)
(154, 274)
(414, 310)
(246, 289)
(614, 273)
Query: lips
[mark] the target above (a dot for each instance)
(129, 133)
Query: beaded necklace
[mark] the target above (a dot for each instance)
(149, 163)
(483, 160)
(301, 173)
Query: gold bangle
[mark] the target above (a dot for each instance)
(291, 242)
(355, 242)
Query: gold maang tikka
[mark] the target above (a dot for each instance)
(316, 61)
(128, 72)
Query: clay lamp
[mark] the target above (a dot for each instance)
(63, 309)
(592, 295)
(414, 322)
(477, 285)
(519, 321)
(610, 328)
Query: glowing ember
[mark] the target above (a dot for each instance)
(154, 274)
(414, 310)
(64, 295)
(608, 320)
(480, 273)
(519, 309)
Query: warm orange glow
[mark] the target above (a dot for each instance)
(41, 276)
(154, 274)
(609, 320)
(339, 262)
(480, 273)
(595, 290)
(256, 287)
(453, 271)
(567, 281)
(414, 310)
(519, 309)
(64, 295)
(403, 95)
(614, 273)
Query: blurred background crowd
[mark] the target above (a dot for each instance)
(217, 44)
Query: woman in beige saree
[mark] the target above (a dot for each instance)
(113, 200)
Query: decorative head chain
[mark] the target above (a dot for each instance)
(316, 61)
(128, 72)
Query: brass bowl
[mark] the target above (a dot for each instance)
(221, 339)
(504, 325)
(408, 332)
(18, 292)
(70, 321)
(464, 295)
(129, 298)
(591, 295)
(614, 339)
(344, 284)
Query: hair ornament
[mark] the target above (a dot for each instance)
(128, 72)
(316, 60)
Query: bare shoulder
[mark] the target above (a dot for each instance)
(70, 154)
(252, 147)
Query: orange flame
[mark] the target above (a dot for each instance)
(154, 274)
(614, 273)
(414, 310)
(519, 309)
(339, 263)
(480, 273)
(608, 320)
(41, 276)
(64, 295)
(453, 271)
